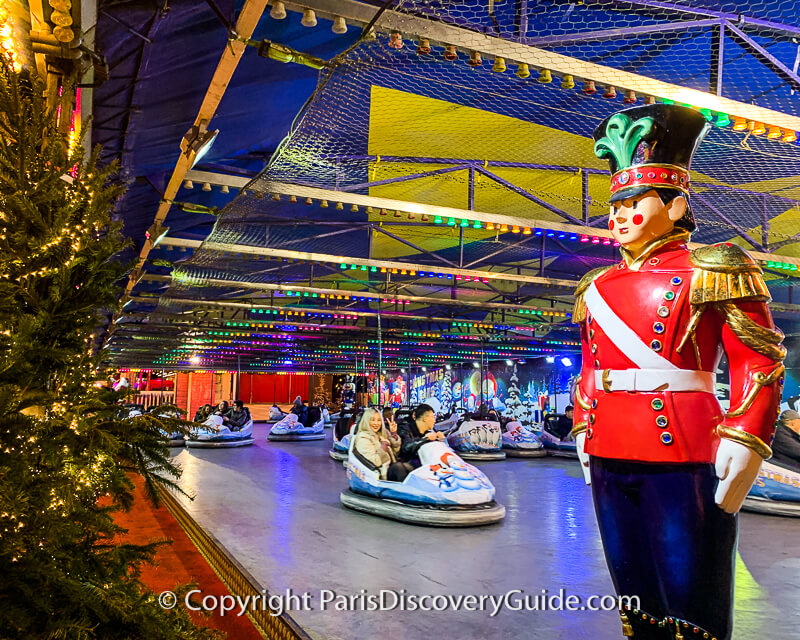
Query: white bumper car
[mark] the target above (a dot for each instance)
(342, 434)
(292, 428)
(776, 491)
(521, 442)
(214, 434)
(445, 491)
(561, 447)
(478, 440)
(276, 414)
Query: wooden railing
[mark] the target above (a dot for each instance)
(151, 398)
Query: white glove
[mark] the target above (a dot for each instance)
(583, 457)
(737, 467)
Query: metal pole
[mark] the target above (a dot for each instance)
(238, 373)
(380, 356)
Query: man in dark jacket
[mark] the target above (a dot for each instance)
(786, 444)
(238, 416)
(416, 432)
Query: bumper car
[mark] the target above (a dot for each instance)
(776, 491)
(448, 421)
(276, 414)
(342, 436)
(554, 445)
(519, 441)
(444, 492)
(213, 434)
(292, 427)
(474, 439)
(174, 439)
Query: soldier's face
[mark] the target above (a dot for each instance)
(635, 222)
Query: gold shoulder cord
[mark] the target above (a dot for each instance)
(763, 340)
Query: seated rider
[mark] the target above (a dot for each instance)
(563, 424)
(415, 433)
(238, 416)
(786, 444)
(202, 413)
(300, 410)
(375, 444)
(222, 411)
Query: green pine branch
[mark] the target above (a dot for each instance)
(68, 450)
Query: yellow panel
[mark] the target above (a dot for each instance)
(406, 124)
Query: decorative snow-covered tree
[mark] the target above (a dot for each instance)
(514, 408)
(447, 391)
(530, 404)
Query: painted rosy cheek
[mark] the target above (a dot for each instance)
(638, 219)
(611, 225)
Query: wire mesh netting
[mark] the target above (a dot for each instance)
(473, 126)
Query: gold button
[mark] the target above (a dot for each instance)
(591, 418)
(594, 403)
(654, 261)
(591, 334)
(658, 327)
(655, 345)
(662, 421)
(666, 438)
(663, 312)
(596, 363)
(594, 348)
(657, 404)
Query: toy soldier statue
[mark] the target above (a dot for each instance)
(669, 470)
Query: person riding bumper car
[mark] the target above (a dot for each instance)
(556, 436)
(310, 426)
(276, 414)
(444, 491)
(214, 433)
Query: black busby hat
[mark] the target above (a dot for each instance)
(650, 147)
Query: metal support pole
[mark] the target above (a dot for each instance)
(585, 197)
(716, 61)
(541, 259)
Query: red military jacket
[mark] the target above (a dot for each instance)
(652, 333)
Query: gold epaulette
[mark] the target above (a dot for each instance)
(579, 310)
(725, 272)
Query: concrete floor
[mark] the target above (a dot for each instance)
(275, 507)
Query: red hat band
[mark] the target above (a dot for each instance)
(654, 175)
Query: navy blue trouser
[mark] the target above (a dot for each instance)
(667, 541)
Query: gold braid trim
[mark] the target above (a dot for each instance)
(578, 429)
(761, 339)
(579, 310)
(583, 404)
(747, 439)
(760, 379)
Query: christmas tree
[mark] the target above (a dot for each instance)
(67, 450)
